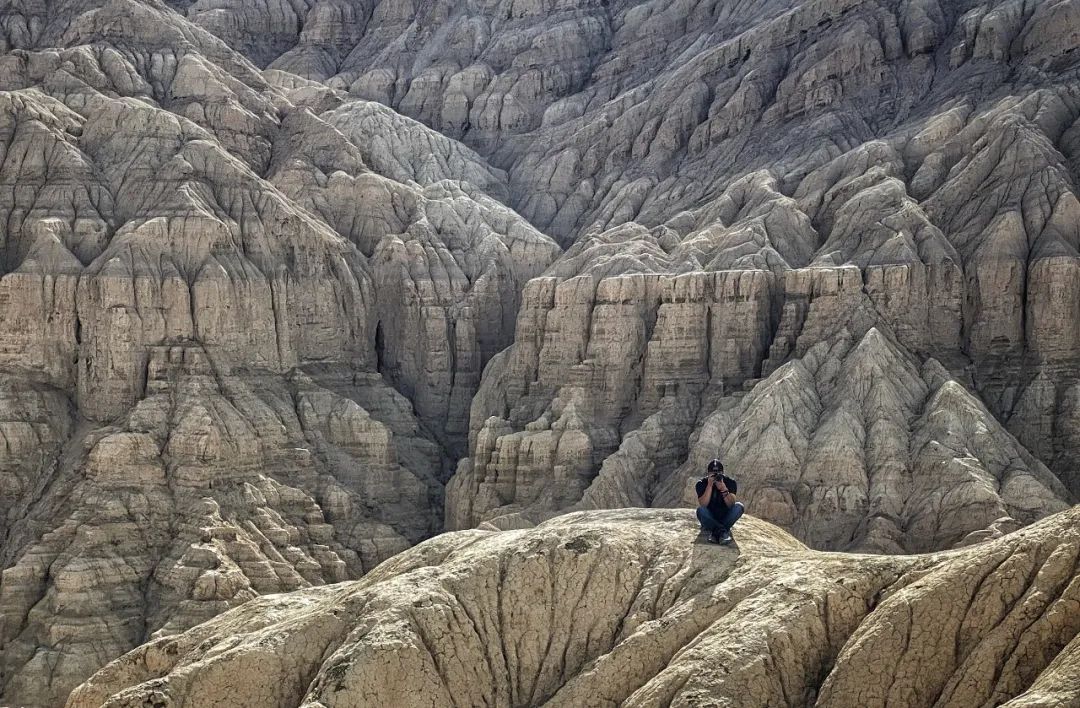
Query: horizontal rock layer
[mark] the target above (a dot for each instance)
(806, 383)
(269, 270)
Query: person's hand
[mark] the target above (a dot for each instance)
(721, 487)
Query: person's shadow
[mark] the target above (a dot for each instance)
(702, 539)
(710, 564)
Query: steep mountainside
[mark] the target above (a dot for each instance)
(286, 288)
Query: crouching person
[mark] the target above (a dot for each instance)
(718, 509)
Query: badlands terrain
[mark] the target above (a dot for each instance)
(287, 288)
(620, 608)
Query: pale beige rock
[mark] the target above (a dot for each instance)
(262, 253)
(828, 445)
(624, 608)
(593, 357)
(35, 424)
(166, 270)
(852, 447)
(213, 490)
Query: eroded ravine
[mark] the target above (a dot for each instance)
(288, 288)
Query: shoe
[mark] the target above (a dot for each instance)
(725, 538)
(714, 537)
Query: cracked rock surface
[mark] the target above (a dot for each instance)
(622, 607)
(242, 321)
(287, 288)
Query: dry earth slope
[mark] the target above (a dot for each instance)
(286, 288)
(621, 607)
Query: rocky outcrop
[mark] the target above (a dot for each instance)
(448, 262)
(623, 607)
(851, 444)
(590, 358)
(242, 321)
(269, 270)
(215, 488)
(947, 230)
(851, 447)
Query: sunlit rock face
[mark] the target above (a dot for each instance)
(287, 288)
(243, 319)
(832, 243)
(623, 608)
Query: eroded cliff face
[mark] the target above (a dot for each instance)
(843, 168)
(852, 443)
(622, 607)
(273, 274)
(241, 328)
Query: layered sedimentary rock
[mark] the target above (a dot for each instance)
(948, 225)
(590, 358)
(851, 444)
(214, 489)
(241, 327)
(623, 607)
(268, 271)
(448, 261)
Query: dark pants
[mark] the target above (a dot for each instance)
(711, 524)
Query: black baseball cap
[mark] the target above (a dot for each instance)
(715, 465)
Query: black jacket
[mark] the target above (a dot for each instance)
(717, 506)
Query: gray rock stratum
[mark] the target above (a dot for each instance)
(623, 608)
(287, 288)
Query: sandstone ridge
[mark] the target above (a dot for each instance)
(623, 607)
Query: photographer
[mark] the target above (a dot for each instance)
(718, 509)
